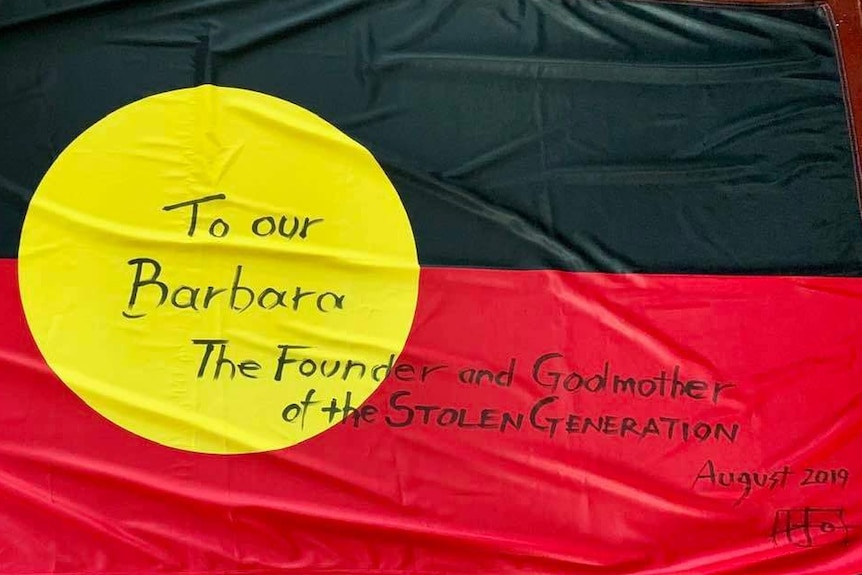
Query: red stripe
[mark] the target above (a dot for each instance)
(426, 498)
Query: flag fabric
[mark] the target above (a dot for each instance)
(492, 286)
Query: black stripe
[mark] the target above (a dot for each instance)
(586, 135)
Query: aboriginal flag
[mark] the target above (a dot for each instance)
(634, 343)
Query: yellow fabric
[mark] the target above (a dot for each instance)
(298, 239)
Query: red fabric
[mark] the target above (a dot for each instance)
(80, 494)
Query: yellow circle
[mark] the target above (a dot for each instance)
(189, 263)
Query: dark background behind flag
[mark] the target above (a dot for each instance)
(694, 164)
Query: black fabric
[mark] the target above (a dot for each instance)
(579, 135)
